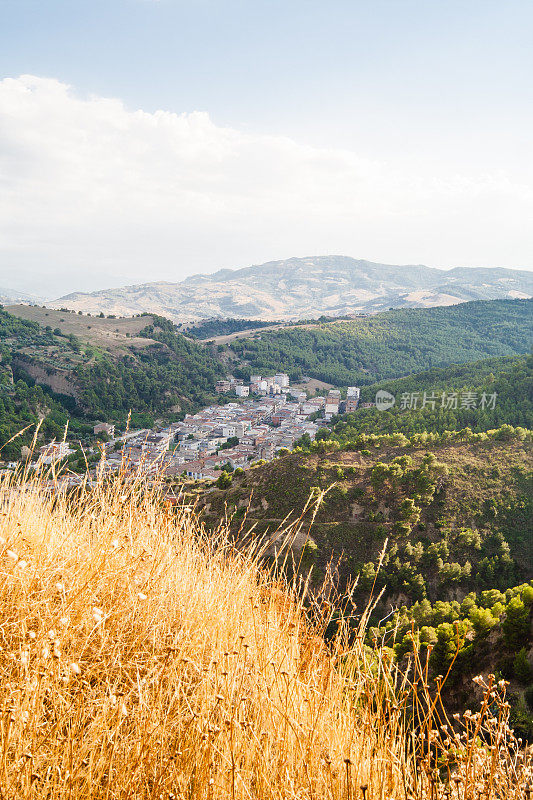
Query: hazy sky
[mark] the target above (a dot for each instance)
(144, 140)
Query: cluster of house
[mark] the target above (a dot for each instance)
(237, 433)
(280, 384)
(55, 451)
(334, 405)
(263, 387)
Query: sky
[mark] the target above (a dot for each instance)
(145, 140)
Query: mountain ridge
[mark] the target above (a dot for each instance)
(300, 288)
(10, 296)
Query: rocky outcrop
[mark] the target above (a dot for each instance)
(59, 381)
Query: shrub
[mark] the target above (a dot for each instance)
(516, 623)
(224, 480)
(521, 667)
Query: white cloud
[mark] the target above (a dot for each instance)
(89, 190)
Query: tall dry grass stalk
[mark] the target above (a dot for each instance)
(142, 658)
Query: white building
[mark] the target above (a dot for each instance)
(282, 380)
(330, 409)
(190, 445)
(158, 441)
(353, 392)
(54, 451)
(233, 429)
(104, 427)
(242, 391)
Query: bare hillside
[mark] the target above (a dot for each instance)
(305, 288)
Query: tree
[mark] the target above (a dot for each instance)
(516, 623)
(233, 441)
(304, 442)
(449, 640)
(482, 620)
(224, 480)
(522, 668)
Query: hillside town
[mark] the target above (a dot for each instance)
(265, 417)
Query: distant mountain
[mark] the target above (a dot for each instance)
(303, 288)
(11, 297)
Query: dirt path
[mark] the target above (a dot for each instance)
(229, 337)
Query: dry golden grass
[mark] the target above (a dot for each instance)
(142, 659)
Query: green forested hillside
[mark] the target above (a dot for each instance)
(510, 380)
(47, 375)
(456, 510)
(455, 376)
(222, 327)
(438, 529)
(171, 373)
(22, 403)
(392, 344)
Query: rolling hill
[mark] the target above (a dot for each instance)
(302, 288)
(479, 482)
(60, 365)
(438, 530)
(8, 296)
(390, 344)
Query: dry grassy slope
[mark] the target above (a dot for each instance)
(108, 334)
(354, 520)
(140, 660)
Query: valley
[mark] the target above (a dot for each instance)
(266, 505)
(416, 519)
